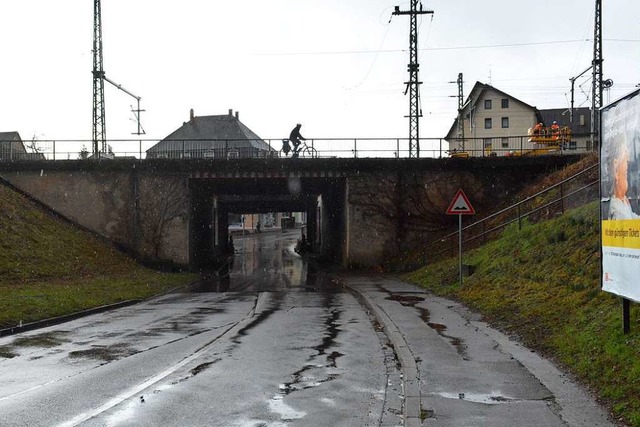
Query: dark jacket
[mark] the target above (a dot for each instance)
(295, 134)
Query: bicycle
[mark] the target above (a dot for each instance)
(303, 150)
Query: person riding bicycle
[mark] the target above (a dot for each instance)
(295, 138)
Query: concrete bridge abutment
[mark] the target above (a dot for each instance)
(360, 212)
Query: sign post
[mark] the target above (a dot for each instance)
(460, 205)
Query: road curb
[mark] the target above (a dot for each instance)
(410, 379)
(67, 317)
(78, 314)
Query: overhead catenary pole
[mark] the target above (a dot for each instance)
(460, 107)
(596, 95)
(137, 111)
(573, 81)
(99, 126)
(413, 85)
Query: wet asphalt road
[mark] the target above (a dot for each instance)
(273, 349)
(279, 344)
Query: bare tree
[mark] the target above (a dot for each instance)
(411, 206)
(161, 202)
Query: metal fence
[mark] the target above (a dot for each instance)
(322, 148)
(555, 200)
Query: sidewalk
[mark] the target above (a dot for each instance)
(458, 371)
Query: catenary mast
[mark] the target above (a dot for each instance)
(99, 126)
(413, 85)
(596, 96)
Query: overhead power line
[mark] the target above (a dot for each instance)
(489, 46)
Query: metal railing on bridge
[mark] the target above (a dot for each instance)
(60, 149)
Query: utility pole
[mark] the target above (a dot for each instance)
(596, 96)
(413, 85)
(460, 113)
(99, 127)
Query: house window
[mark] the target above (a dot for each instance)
(505, 103)
(505, 122)
(487, 104)
(487, 123)
(582, 120)
(505, 142)
(573, 145)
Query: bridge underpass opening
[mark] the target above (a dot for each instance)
(321, 200)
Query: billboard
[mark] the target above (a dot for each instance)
(619, 193)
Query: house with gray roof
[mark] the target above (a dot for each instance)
(216, 137)
(493, 122)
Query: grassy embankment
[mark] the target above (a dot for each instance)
(49, 268)
(542, 284)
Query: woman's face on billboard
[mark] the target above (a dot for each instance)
(620, 189)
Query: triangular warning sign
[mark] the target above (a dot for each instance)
(460, 205)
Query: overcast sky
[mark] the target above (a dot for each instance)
(336, 66)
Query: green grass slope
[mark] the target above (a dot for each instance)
(50, 268)
(542, 285)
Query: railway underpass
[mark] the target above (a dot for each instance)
(212, 200)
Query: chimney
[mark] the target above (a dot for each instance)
(191, 116)
(231, 111)
(238, 115)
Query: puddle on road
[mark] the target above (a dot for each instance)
(406, 300)
(332, 325)
(203, 366)
(105, 353)
(412, 301)
(42, 340)
(6, 352)
(46, 340)
(273, 306)
(286, 412)
(457, 342)
(493, 398)
(303, 379)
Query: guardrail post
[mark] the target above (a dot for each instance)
(519, 219)
(397, 148)
(521, 145)
(355, 147)
(54, 150)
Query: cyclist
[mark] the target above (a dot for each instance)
(295, 138)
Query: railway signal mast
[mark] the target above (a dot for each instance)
(413, 85)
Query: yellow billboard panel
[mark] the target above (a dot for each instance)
(621, 233)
